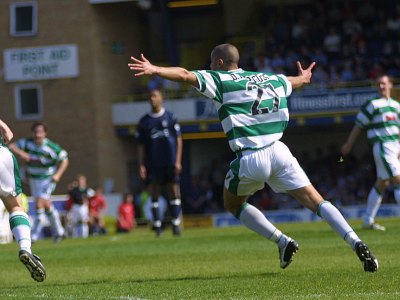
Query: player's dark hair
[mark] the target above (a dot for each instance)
(385, 75)
(37, 124)
(227, 52)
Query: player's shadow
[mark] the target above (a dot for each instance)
(152, 280)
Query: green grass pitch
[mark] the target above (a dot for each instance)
(208, 263)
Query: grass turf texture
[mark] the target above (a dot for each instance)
(207, 263)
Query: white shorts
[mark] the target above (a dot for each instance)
(79, 214)
(386, 157)
(42, 188)
(274, 165)
(10, 181)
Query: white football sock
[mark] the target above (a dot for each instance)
(38, 224)
(335, 219)
(21, 229)
(55, 221)
(254, 219)
(373, 204)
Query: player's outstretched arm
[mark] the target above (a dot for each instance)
(143, 66)
(303, 77)
(6, 132)
(348, 145)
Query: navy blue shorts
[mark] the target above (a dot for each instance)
(162, 175)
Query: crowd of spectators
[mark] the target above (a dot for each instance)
(343, 183)
(350, 40)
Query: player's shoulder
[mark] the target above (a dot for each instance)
(143, 119)
(26, 140)
(53, 145)
(169, 114)
(371, 102)
(23, 142)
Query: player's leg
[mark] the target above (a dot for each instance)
(19, 222)
(391, 154)
(175, 201)
(40, 219)
(10, 193)
(75, 220)
(254, 219)
(21, 229)
(386, 157)
(374, 201)
(55, 220)
(290, 177)
(310, 198)
(154, 189)
(248, 174)
(396, 188)
(84, 212)
(48, 186)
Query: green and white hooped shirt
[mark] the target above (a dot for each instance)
(380, 117)
(252, 106)
(44, 158)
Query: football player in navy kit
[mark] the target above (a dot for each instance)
(160, 154)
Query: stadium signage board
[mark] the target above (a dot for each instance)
(330, 100)
(39, 63)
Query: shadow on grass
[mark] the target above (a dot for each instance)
(148, 280)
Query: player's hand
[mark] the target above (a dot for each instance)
(56, 178)
(142, 66)
(178, 168)
(346, 149)
(24, 156)
(7, 135)
(306, 74)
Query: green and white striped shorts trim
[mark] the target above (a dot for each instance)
(274, 165)
(10, 181)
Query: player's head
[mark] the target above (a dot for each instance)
(39, 131)
(385, 85)
(128, 198)
(82, 180)
(224, 57)
(156, 100)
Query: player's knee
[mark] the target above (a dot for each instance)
(233, 203)
(381, 185)
(229, 206)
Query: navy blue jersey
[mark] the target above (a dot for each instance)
(158, 134)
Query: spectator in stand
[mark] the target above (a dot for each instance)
(217, 177)
(97, 207)
(198, 200)
(126, 214)
(347, 72)
(262, 63)
(332, 44)
(334, 77)
(318, 56)
(320, 78)
(277, 61)
(376, 71)
(142, 197)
